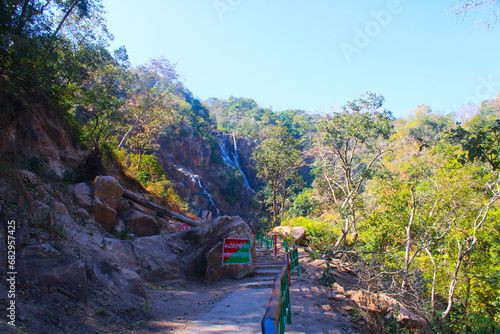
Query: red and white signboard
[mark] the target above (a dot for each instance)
(236, 251)
(184, 227)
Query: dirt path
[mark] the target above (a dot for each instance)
(230, 307)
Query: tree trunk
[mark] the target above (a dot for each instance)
(70, 10)
(453, 283)
(174, 215)
(275, 208)
(433, 291)
(408, 241)
(343, 236)
(468, 328)
(466, 247)
(22, 20)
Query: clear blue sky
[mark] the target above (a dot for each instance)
(315, 54)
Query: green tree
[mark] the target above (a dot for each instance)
(304, 204)
(479, 144)
(430, 210)
(149, 107)
(350, 142)
(277, 160)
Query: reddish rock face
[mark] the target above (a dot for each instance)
(186, 150)
(186, 159)
(242, 148)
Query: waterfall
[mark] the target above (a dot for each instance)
(232, 159)
(225, 154)
(203, 187)
(237, 161)
(204, 191)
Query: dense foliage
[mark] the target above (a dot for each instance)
(416, 199)
(61, 49)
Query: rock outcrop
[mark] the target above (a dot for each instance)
(297, 233)
(82, 195)
(45, 267)
(383, 305)
(65, 255)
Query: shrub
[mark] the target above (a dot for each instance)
(321, 235)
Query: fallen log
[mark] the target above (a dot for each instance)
(150, 205)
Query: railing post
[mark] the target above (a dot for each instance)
(275, 246)
(298, 264)
(288, 268)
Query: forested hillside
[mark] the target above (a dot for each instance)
(412, 203)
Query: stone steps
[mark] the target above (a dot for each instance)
(267, 267)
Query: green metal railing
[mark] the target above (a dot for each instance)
(294, 260)
(279, 312)
(269, 241)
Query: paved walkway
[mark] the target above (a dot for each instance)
(241, 310)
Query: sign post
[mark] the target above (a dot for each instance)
(236, 251)
(184, 227)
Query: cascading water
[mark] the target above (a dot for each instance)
(203, 188)
(231, 158)
(204, 191)
(237, 161)
(225, 154)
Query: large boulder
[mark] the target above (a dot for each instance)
(383, 305)
(107, 194)
(196, 253)
(103, 214)
(125, 281)
(141, 223)
(124, 286)
(159, 256)
(108, 190)
(208, 241)
(298, 233)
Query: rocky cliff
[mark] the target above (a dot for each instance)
(83, 247)
(217, 179)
